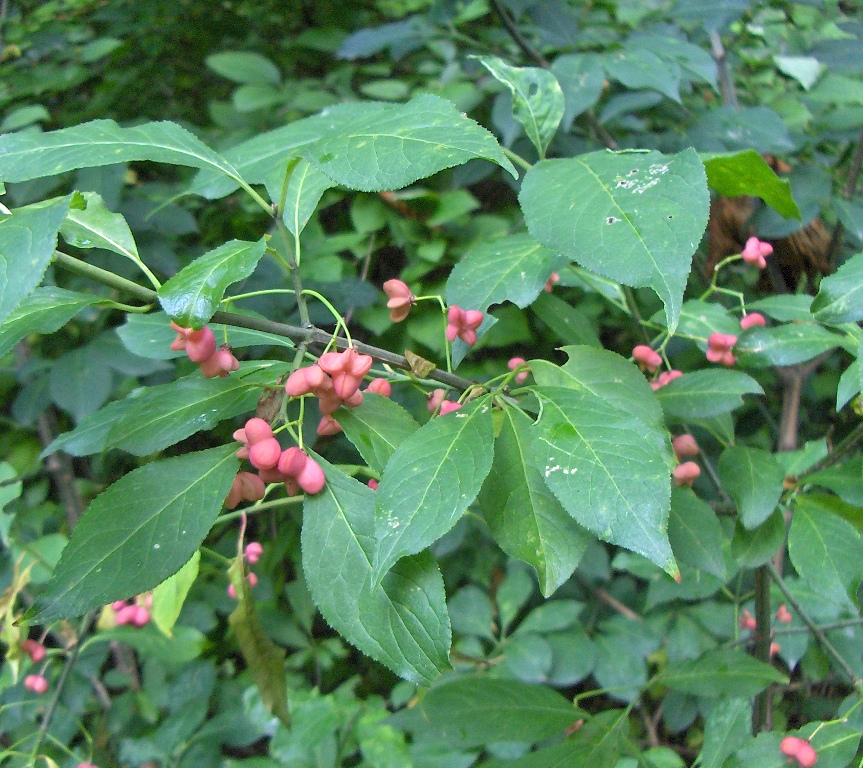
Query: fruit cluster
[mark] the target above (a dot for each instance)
(200, 345)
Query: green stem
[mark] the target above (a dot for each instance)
(820, 637)
(286, 502)
(294, 267)
(340, 323)
(104, 276)
(517, 159)
(253, 294)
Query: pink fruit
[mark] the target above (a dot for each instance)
(36, 683)
(117, 605)
(646, 357)
(747, 621)
(380, 387)
(685, 445)
(550, 283)
(435, 399)
(328, 426)
(783, 615)
(753, 318)
(463, 324)
(34, 649)
(257, 430)
(252, 486)
(754, 252)
(312, 478)
(685, 473)
(400, 299)
(265, 454)
(664, 378)
(253, 552)
(347, 370)
(354, 400)
(719, 348)
(292, 461)
(200, 344)
(373, 484)
(798, 749)
(515, 362)
(253, 580)
(775, 648)
(221, 363)
(448, 406)
(126, 615)
(141, 617)
(86, 765)
(303, 381)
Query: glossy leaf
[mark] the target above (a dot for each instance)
(376, 428)
(840, 295)
(607, 469)
(604, 374)
(728, 727)
(306, 185)
(511, 268)
(706, 393)
(753, 548)
(786, 308)
(27, 155)
(747, 173)
(698, 319)
(138, 532)
(475, 710)
(45, 310)
(192, 296)
(848, 387)
(568, 323)
(169, 596)
(402, 143)
(846, 481)
(429, 482)
(537, 99)
(722, 672)
(403, 622)
(695, 533)
(97, 227)
(754, 479)
(244, 67)
(256, 158)
(156, 417)
(826, 550)
(784, 344)
(581, 78)
(524, 517)
(27, 241)
(614, 213)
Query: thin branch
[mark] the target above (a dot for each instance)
(310, 335)
(519, 39)
(762, 711)
(820, 637)
(726, 83)
(849, 442)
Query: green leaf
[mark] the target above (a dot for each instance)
(848, 387)
(305, 188)
(607, 469)
(169, 596)
(698, 319)
(582, 78)
(614, 213)
(244, 67)
(537, 99)
(511, 268)
(754, 479)
(44, 311)
(840, 295)
(784, 344)
(846, 481)
(256, 158)
(151, 335)
(265, 659)
(187, 643)
(402, 623)
(638, 68)
(728, 727)
(138, 532)
(97, 227)
(606, 375)
(747, 173)
(721, 672)
(706, 393)
(568, 323)
(25, 156)
(753, 548)
(27, 241)
(826, 550)
(430, 480)
(850, 215)
(401, 143)
(154, 418)
(475, 710)
(192, 296)
(694, 532)
(524, 517)
(376, 428)
(786, 308)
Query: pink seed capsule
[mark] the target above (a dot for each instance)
(36, 683)
(783, 615)
(373, 484)
(312, 478)
(253, 552)
(685, 473)
(256, 431)
(200, 345)
(448, 406)
(141, 617)
(380, 387)
(35, 650)
(117, 605)
(126, 615)
(685, 445)
(753, 318)
(265, 454)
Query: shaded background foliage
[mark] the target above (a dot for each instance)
(795, 72)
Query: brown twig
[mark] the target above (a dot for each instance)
(519, 39)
